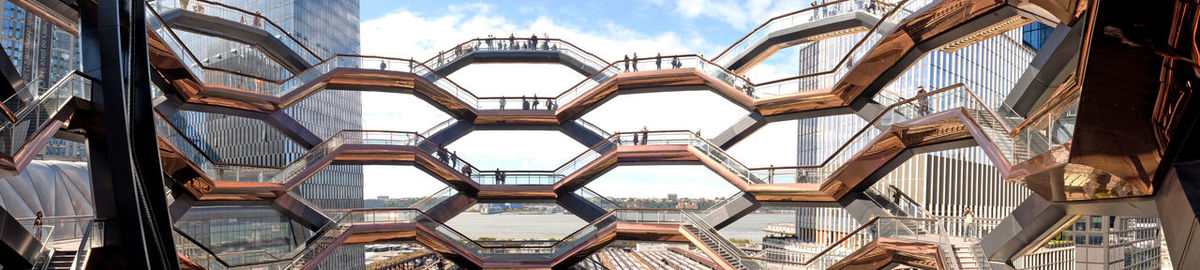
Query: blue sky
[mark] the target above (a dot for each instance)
(610, 29)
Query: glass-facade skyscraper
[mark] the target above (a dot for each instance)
(1111, 242)
(327, 28)
(945, 183)
(42, 53)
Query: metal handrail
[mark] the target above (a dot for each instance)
(845, 238)
(853, 49)
(773, 19)
(80, 260)
(602, 197)
(460, 45)
(1062, 99)
(263, 18)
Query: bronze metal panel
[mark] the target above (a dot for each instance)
(382, 154)
(516, 192)
(627, 80)
(366, 234)
(888, 251)
(516, 117)
(1121, 80)
(636, 154)
(803, 101)
(182, 170)
(239, 187)
(656, 232)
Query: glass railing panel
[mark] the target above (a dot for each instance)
(725, 201)
(593, 127)
(587, 58)
(319, 153)
(827, 78)
(926, 230)
(243, 17)
(433, 200)
(439, 127)
(258, 85)
(717, 154)
(650, 215)
(517, 103)
(784, 175)
(597, 199)
(584, 159)
(516, 177)
(215, 171)
(37, 112)
(23, 97)
(577, 90)
(59, 228)
(797, 18)
(169, 38)
(515, 44)
(93, 237)
(193, 252)
(658, 138)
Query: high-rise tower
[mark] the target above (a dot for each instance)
(326, 28)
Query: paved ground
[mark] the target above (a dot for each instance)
(619, 259)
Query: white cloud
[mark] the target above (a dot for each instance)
(739, 14)
(407, 34)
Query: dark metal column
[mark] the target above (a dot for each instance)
(1050, 67)
(12, 78)
(126, 175)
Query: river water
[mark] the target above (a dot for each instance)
(557, 226)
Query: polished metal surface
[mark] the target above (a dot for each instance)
(885, 252)
(1125, 116)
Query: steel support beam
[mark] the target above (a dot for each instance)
(301, 211)
(580, 206)
(293, 129)
(12, 77)
(126, 177)
(179, 201)
(1050, 67)
(741, 205)
(449, 208)
(1033, 221)
(581, 134)
(1036, 220)
(1179, 213)
(452, 133)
